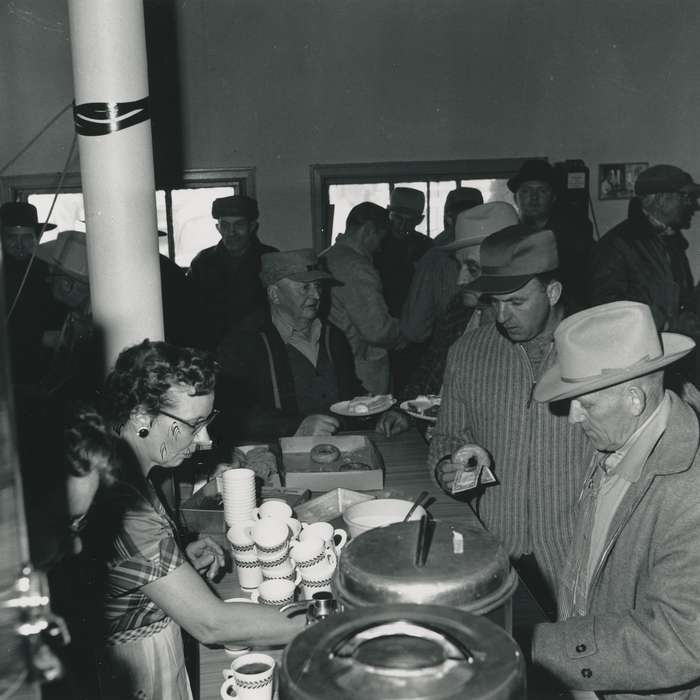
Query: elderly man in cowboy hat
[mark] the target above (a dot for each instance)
(224, 279)
(629, 602)
(282, 377)
(535, 188)
(462, 314)
(487, 409)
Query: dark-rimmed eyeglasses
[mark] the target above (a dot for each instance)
(194, 427)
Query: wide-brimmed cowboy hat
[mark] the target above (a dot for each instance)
(607, 345)
(476, 224)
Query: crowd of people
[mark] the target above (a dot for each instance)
(565, 365)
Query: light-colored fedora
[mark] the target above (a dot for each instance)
(607, 345)
(475, 224)
(68, 252)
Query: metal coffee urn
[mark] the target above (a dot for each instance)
(465, 568)
(402, 652)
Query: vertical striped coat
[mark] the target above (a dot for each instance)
(538, 458)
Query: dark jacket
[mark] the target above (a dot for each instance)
(225, 289)
(634, 262)
(255, 391)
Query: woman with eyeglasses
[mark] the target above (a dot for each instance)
(159, 400)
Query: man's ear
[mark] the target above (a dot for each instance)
(637, 400)
(554, 291)
(273, 294)
(218, 226)
(254, 227)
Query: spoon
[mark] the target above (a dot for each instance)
(416, 502)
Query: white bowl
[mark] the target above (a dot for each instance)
(377, 513)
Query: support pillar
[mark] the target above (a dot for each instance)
(108, 46)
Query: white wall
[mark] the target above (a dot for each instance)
(281, 85)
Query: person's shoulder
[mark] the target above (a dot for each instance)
(204, 256)
(265, 248)
(473, 340)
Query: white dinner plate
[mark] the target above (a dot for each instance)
(341, 408)
(420, 403)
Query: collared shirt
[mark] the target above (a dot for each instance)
(618, 471)
(307, 346)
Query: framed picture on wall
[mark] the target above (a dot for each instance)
(616, 180)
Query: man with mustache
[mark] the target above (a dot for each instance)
(282, 377)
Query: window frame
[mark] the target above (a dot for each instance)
(19, 187)
(324, 175)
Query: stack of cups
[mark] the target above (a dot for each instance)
(245, 555)
(271, 537)
(315, 564)
(238, 493)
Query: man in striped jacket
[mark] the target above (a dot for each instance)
(487, 410)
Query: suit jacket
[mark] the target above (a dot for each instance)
(642, 630)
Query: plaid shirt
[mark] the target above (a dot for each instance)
(145, 549)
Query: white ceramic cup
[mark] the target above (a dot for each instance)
(311, 556)
(233, 649)
(275, 592)
(271, 539)
(249, 573)
(317, 582)
(243, 682)
(240, 537)
(295, 528)
(280, 510)
(335, 538)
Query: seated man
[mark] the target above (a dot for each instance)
(281, 378)
(463, 313)
(629, 599)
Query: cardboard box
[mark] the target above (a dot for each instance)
(298, 470)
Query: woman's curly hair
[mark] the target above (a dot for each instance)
(145, 373)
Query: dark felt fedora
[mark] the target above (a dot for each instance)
(22, 214)
(531, 170)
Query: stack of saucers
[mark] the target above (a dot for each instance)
(239, 495)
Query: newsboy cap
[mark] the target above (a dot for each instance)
(296, 265)
(407, 201)
(664, 178)
(511, 257)
(533, 169)
(235, 205)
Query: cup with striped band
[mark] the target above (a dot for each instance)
(278, 568)
(335, 538)
(245, 555)
(250, 677)
(271, 539)
(319, 581)
(311, 557)
(275, 592)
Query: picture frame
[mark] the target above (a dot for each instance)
(616, 180)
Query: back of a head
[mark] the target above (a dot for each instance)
(365, 212)
(144, 374)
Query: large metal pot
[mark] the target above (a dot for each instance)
(379, 567)
(402, 652)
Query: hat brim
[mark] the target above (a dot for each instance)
(46, 252)
(311, 276)
(552, 387)
(491, 284)
(464, 243)
(405, 211)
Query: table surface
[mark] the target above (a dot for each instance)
(405, 458)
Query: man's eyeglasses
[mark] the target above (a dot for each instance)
(194, 427)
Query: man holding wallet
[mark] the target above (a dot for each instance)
(488, 412)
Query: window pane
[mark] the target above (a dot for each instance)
(194, 229)
(495, 190)
(68, 213)
(438, 194)
(345, 197)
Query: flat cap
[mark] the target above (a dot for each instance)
(664, 178)
(235, 205)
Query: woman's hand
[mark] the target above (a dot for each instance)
(206, 556)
